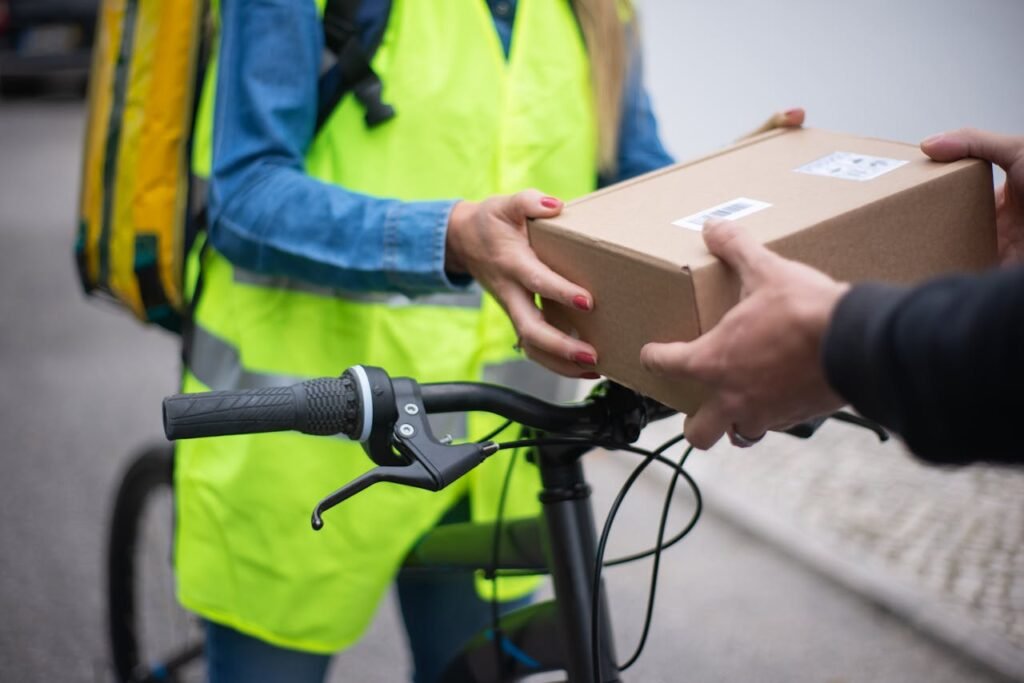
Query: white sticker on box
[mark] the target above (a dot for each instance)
(851, 166)
(732, 209)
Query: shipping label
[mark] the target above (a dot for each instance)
(851, 166)
(732, 210)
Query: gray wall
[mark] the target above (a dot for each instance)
(900, 69)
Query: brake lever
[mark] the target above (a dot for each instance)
(805, 430)
(408, 475)
(863, 423)
(430, 464)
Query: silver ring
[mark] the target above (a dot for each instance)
(741, 441)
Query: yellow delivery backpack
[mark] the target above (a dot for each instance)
(139, 206)
(136, 183)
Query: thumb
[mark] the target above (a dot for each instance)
(532, 204)
(673, 359)
(734, 245)
(979, 144)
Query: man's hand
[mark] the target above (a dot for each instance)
(762, 361)
(1006, 151)
(488, 241)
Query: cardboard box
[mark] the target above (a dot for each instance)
(856, 208)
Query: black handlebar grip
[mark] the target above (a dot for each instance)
(331, 405)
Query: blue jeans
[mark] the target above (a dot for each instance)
(441, 611)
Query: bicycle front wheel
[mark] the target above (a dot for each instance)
(151, 637)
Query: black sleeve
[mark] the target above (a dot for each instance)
(941, 364)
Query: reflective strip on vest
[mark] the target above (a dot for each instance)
(217, 364)
(470, 299)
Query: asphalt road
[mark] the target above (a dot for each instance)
(81, 388)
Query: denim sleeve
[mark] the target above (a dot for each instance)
(640, 146)
(266, 213)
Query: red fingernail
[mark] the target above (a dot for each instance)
(550, 203)
(792, 112)
(590, 375)
(584, 358)
(580, 302)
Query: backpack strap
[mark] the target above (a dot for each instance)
(351, 70)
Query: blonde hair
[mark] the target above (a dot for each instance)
(604, 24)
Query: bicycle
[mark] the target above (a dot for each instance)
(151, 638)
(572, 632)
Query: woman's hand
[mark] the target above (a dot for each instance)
(488, 240)
(791, 118)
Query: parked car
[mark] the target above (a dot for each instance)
(45, 44)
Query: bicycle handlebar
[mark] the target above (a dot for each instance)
(325, 406)
(458, 397)
(345, 405)
(389, 417)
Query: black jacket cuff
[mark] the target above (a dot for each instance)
(851, 350)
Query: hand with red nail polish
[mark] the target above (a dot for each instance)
(581, 302)
(550, 203)
(585, 359)
(488, 240)
(791, 118)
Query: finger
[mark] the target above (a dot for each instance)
(734, 245)
(536, 277)
(674, 359)
(704, 428)
(698, 359)
(540, 335)
(763, 128)
(791, 118)
(1004, 150)
(531, 204)
(743, 435)
(556, 364)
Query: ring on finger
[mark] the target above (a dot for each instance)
(737, 439)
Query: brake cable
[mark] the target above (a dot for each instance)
(649, 457)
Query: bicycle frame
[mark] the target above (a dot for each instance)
(549, 636)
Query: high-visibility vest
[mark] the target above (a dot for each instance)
(469, 124)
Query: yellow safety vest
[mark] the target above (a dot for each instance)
(469, 124)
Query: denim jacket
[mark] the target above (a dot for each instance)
(267, 215)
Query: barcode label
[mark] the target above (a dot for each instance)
(850, 166)
(732, 209)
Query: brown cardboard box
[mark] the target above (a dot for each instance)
(857, 208)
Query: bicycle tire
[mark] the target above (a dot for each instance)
(148, 478)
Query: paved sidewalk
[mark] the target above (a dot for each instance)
(940, 546)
